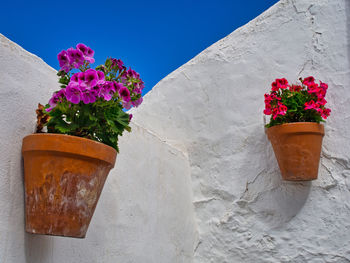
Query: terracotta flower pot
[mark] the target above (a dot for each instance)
(297, 148)
(64, 176)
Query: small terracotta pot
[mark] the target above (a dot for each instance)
(297, 148)
(64, 176)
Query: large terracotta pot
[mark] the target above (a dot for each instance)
(297, 148)
(64, 176)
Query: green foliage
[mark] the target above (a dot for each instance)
(295, 102)
(102, 121)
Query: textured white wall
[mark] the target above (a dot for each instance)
(24, 81)
(201, 127)
(211, 108)
(145, 212)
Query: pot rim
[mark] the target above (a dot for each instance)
(297, 127)
(298, 123)
(69, 144)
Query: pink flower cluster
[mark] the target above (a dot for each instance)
(131, 79)
(87, 87)
(117, 62)
(74, 58)
(113, 82)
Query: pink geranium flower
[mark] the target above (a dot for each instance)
(118, 63)
(56, 98)
(127, 105)
(91, 77)
(73, 93)
(89, 96)
(137, 102)
(100, 76)
(132, 73)
(117, 86)
(75, 78)
(107, 90)
(76, 57)
(87, 52)
(63, 61)
(124, 93)
(83, 48)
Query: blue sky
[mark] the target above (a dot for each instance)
(152, 37)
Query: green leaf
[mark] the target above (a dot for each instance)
(102, 121)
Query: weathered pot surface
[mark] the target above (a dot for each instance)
(64, 176)
(297, 148)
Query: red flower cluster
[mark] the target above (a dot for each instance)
(295, 88)
(279, 84)
(310, 94)
(318, 91)
(273, 104)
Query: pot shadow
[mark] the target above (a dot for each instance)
(279, 205)
(272, 200)
(38, 248)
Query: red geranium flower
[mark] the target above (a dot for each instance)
(308, 81)
(275, 86)
(282, 83)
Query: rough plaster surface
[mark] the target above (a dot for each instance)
(202, 128)
(211, 109)
(145, 212)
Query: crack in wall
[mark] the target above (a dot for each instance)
(158, 137)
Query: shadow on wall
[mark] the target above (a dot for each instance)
(273, 201)
(38, 248)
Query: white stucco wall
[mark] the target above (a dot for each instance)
(196, 180)
(211, 108)
(145, 212)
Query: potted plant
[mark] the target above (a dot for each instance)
(295, 128)
(65, 167)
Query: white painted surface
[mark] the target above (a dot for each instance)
(203, 123)
(211, 108)
(24, 81)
